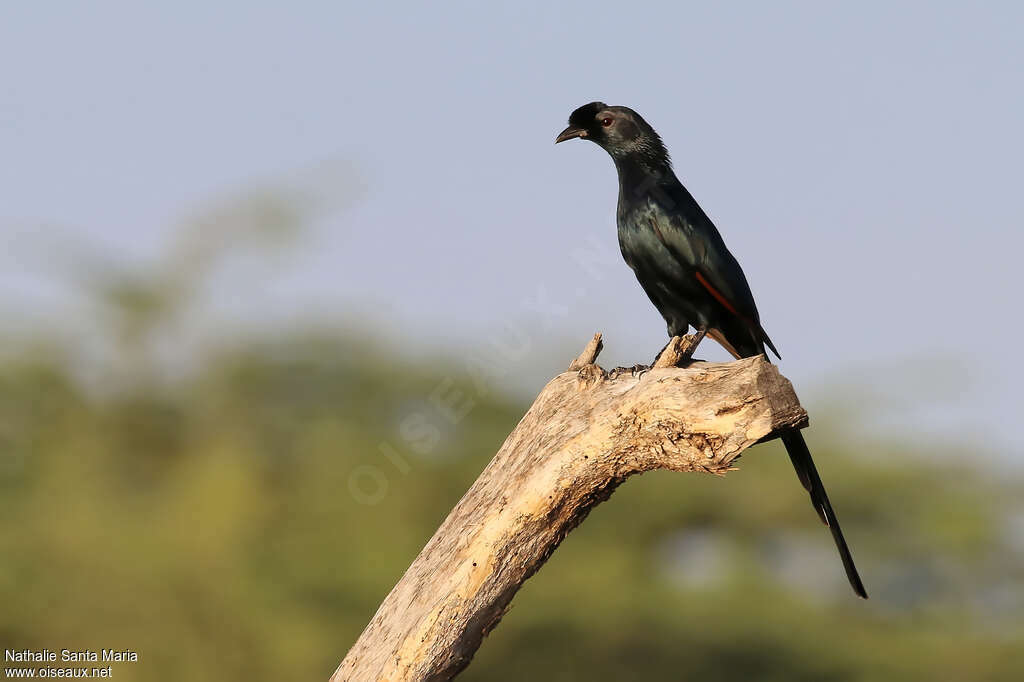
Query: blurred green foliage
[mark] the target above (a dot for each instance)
(212, 528)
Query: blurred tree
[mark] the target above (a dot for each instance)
(214, 531)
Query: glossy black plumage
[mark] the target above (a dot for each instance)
(684, 267)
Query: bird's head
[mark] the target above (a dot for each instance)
(620, 131)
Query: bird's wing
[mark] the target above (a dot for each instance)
(695, 243)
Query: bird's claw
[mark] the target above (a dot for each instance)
(639, 370)
(635, 371)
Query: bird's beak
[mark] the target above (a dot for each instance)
(569, 133)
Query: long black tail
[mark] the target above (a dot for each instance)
(804, 465)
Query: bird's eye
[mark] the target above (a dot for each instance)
(606, 121)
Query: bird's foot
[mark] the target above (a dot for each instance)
(639, 370)
(636, 371)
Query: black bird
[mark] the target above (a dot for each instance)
(683, 265)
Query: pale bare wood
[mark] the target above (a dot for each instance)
(679, 350)
(585, 434)
(589, 354)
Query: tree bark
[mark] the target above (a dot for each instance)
(587, 432)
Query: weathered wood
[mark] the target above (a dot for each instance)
(585, 434)
(679, 350)
(589, 354)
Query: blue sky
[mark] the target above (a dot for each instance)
(863, 162)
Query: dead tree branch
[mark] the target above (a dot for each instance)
(587, 431)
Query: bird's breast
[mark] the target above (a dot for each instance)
(645, 240)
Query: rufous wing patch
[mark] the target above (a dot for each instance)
(717, 295)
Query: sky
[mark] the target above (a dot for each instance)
(862, 161)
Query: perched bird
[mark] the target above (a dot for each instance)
(683, 265)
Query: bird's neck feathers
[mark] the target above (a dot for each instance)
(644, 162)
(644, 157)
